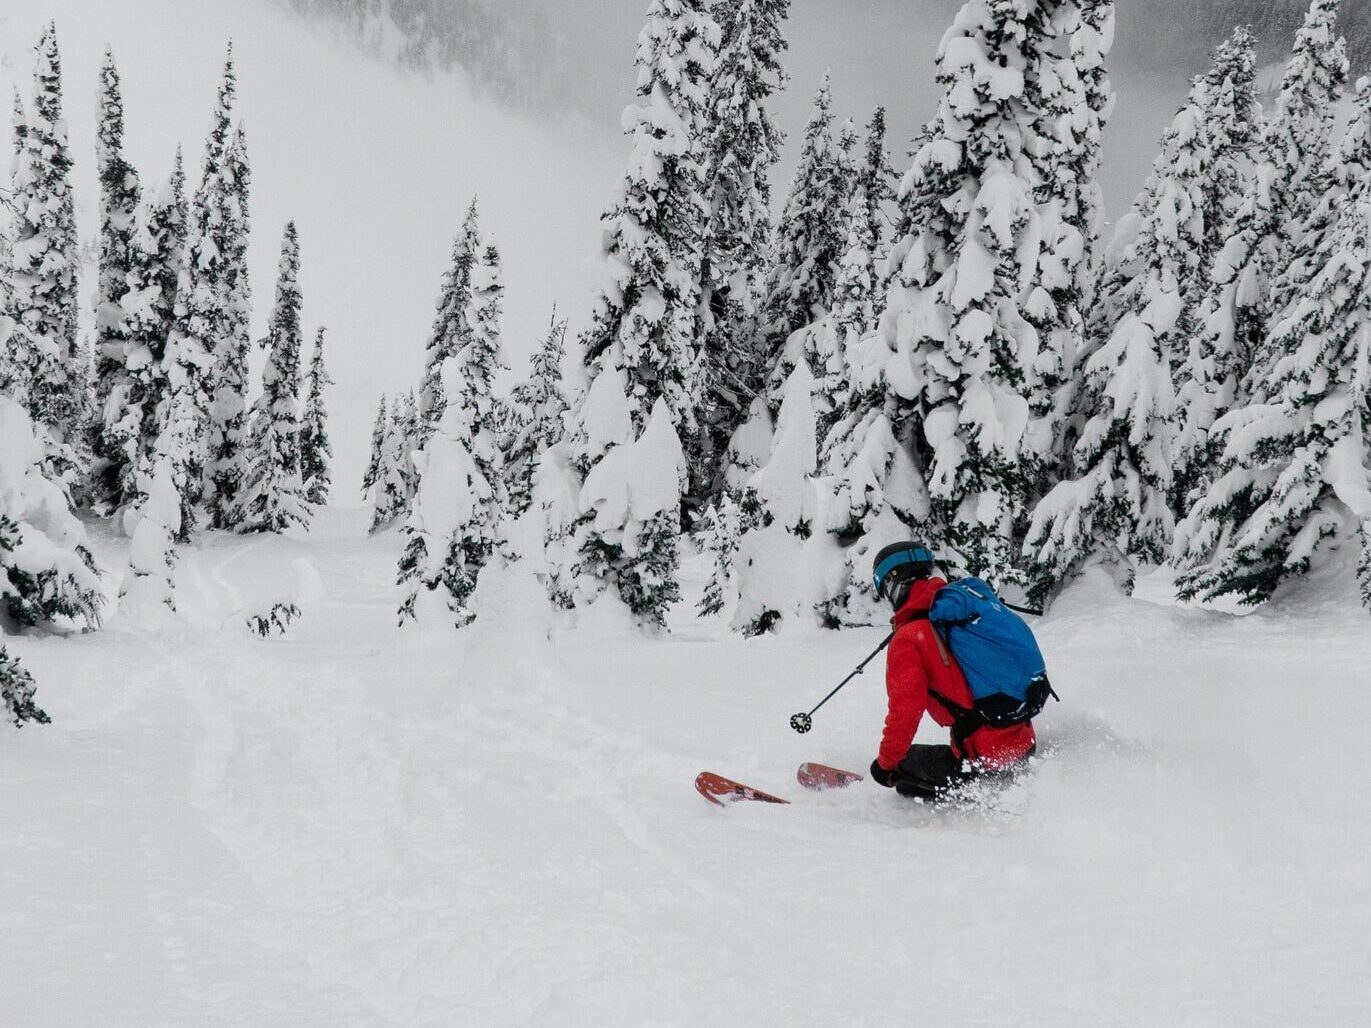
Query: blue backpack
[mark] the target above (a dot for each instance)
(995, 650)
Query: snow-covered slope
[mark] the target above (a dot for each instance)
(361, 825)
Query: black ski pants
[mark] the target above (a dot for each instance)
(932, 772)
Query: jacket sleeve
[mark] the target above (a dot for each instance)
(906, 685)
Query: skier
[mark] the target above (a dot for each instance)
(922, 676)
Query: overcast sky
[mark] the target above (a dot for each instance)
(548, 56)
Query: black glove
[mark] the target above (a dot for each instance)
(881, 776)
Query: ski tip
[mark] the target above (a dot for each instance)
(722, 791)
(817, 777)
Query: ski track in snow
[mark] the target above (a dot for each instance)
(357, 824)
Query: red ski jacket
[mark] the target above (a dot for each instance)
(919, 661)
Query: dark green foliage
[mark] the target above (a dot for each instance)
(315, 451)
(37, 599)
(742, 144)
(273, 494)
(39, 371)
(119, 195)
(811, 238)
(535, 415)
(229, 414)
(16, 693)
(274, 621)
(378, 438)
(451, 324)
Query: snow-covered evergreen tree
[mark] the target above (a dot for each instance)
(1209, 379)
(1114, 509)
(1295, 480)
(148, 588)
(390, 495)
(119, 197)
(1348, 163)
(316, 454)
(537, 409)
(47, 574)
(1233, 115)
(1068, 91)
(451, 329)
(412, 433)
(828, 342)
(633, 523)
(19, 121)
(206, 322)
(178, 446)
(453, 527)
(778, 575)
(811, 237)
(130, 419)
(378, 438)
(42, 369)
(228, 455)
(957, 337)
(645, 320)
(741, 147)
(274, 494)
(455, 520)
(479, 359)
(1282, 192)
(1260, 225)
(16, 693)
(641, 351)
(876, 178)
(720, 539)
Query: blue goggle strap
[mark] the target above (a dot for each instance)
(917, 555)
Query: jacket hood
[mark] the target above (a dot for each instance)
(921, 595)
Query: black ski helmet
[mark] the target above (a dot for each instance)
(898, 566)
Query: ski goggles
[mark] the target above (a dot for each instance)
(914, 555)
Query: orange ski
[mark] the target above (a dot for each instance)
(723, 791)
(821, 776)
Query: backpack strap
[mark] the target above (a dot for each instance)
(965, 720)
(937, 638)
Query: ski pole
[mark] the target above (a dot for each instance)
(804, 722)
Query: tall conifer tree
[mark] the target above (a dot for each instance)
(42, 370)
(741, 147)
(136, 406)
(206, 323)
(390, 497)
(451, 329)
(455, 524)
(273, 495)
(316, 454)
(1283, 192)
(811, 237)
(537, 407)
(642, 347)
(645, 320)
(1294, 485)
(1069, 92)
(378, 438)
(228, 415)
(1209, 381)
(957, 331)
(1115, 509)
(119, 196)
